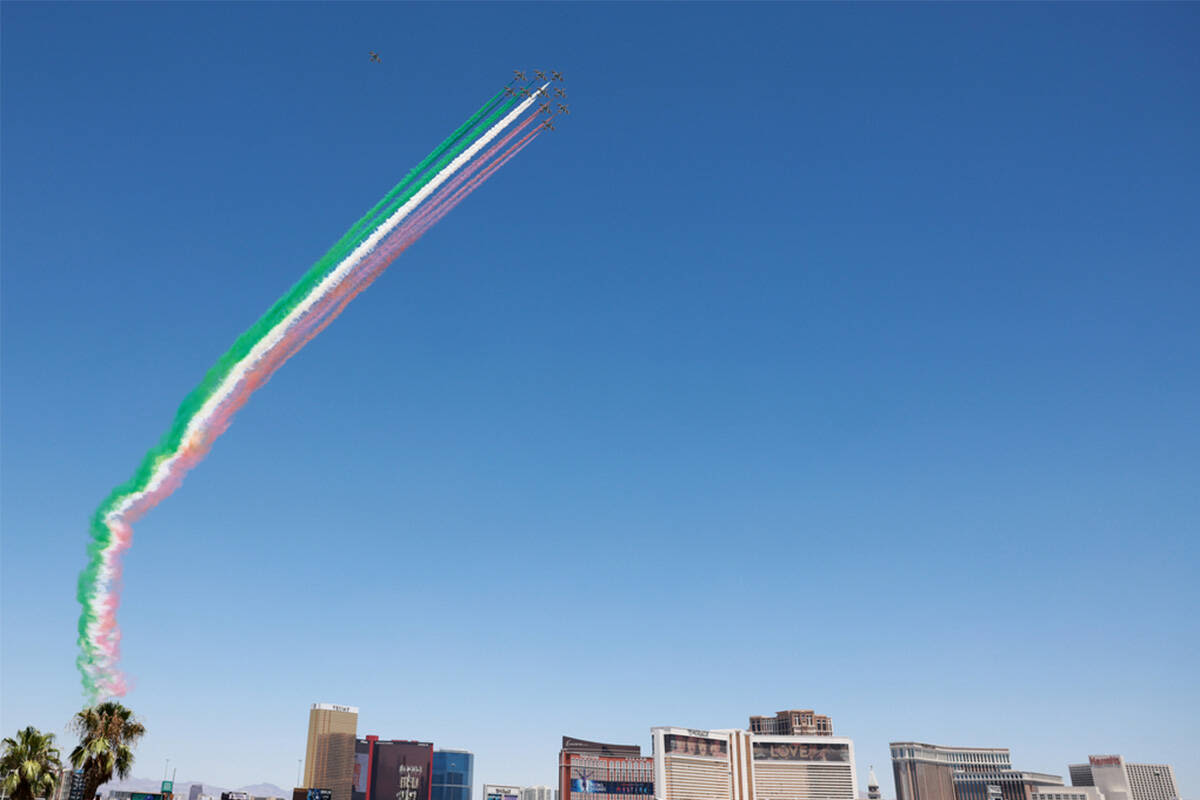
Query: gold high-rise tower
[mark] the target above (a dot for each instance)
(329, 759)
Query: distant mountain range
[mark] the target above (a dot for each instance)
(182, 788)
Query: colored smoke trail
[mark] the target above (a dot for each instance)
(370, 268)
(425, 195)
(374, 265)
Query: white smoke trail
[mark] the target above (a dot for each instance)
(193, 433)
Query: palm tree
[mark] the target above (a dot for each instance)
(107, 735)
(30, 765)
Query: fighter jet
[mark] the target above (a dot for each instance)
(563, 109)
(541, 76)
(543, 93)
(375, 57)
(548, 124)
(519, 74)
(556, 75)
(524, 92)
(544, 108)
(560, 93)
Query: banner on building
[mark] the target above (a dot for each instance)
(589, 786)
(402, 771)
(362, 758)
(679, 745)
(801, 751)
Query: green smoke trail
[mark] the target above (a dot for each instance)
(101, 535)
(368, 219)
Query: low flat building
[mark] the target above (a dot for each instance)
(495, 791)
(600, 771)
(1004, 784)
(1067, 793)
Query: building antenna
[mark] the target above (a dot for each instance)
(298, 760)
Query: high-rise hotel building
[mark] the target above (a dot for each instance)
(1117, 779)
(935, 772)
(740, 765)
(329, 758)
(453, 774)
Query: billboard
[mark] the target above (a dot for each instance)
(362, 759)
(401, 771)
(77, 785)
(675, 744)
(312, 794)
(589, 786)
(572, 745)
(801, 751)
(493, 792)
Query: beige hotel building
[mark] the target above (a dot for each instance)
(694, 764)
(329, 757)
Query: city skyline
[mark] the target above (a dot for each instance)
(833, 356)
(981, 760)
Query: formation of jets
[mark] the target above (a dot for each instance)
(550, 107)
(520, 75)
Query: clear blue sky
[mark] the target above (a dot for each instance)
(830, 356)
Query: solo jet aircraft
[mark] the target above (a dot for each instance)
(375, 57)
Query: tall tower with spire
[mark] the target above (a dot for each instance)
(873, 785)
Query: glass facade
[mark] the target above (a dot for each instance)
(453, 774)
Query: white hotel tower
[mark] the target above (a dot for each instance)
(1117, 779)
(740, 765)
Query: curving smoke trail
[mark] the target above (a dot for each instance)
(426, 194)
